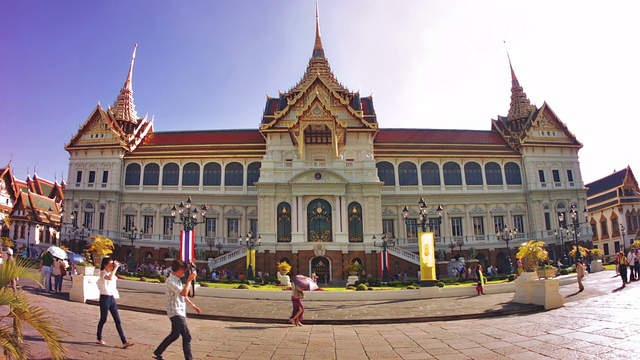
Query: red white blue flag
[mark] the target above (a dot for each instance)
(187, 245)
(384, 261)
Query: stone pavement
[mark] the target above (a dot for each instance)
(598, 323)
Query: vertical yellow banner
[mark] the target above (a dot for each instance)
(251, 257)
(427, 245)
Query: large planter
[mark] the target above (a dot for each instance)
(546, 273)
(85, 270)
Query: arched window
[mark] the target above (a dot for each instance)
(212, 174)
(493, 172)
(233, 174)
(355, 222)
(191, 174)
(386, 173)
(407, 173)
(430, 173)
(452, 174)
(253, 173)
(151, 174)
(284, 222)
(512, 173)
(319, 221)
(170, 174)
(132, 174)
(472, 173)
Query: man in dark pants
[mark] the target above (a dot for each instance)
(177, 309)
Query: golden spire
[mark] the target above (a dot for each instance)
(124, 109)
(520, 105)
(318, 51)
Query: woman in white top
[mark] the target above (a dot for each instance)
(108, 296)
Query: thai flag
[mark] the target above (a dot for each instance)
(384, 261)
(187, 245)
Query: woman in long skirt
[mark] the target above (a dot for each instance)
(298, 309)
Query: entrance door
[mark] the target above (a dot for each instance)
(319, 221)
(320, 266)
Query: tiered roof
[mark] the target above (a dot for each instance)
(620, 187)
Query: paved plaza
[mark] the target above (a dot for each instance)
(599, 323)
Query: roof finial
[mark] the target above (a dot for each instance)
(127, 83)
(520, 106)
(317, 47)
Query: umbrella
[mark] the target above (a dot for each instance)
(75, 258)
(57, 252)
(305, 283)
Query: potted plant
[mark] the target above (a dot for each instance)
(597, 253)
(283, 268)
(354, 268)
(583, 252)
(99, 248)
(532, 253)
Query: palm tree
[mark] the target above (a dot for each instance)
(15, 305)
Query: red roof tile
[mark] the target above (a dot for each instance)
(439, 136)
(203, 137)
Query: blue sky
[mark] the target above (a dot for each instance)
(206, 65)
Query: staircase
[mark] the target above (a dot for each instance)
(227, 258)
(404, 254)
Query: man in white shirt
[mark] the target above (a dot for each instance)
(633, 276)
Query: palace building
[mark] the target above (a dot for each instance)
(321, 183)
(613, 215)
(30, 211)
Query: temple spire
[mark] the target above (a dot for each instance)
(124, 110)
(318, 51)
(520, 107)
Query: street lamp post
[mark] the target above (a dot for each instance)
(78, 232)
(132, 234)
(507, 235)
(384, 244)
(575, 223)
(219, 246)
(251, 244)
(452, 246)
(561, 233)
(424, 219)
(187, 212)
(623, 233)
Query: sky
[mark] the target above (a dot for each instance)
(207, 65)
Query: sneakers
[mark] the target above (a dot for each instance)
(126, 345)
(157, 356)
(101, 342)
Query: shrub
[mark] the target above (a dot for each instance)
(163, 279)
(351, 287)
(271, 280)
(564, 272)
(358, 282)
(411, 287)
(201, 284)
(369, 288)
(361, 287)
(512, 277)
(440, 284)
(142, 278)
(243, 286)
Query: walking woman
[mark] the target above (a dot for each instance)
(622, 265)
(298, 309)
(108, 296)
(57, 271)
(581, 272)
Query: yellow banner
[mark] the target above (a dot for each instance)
(251, 256)
(427, 245)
